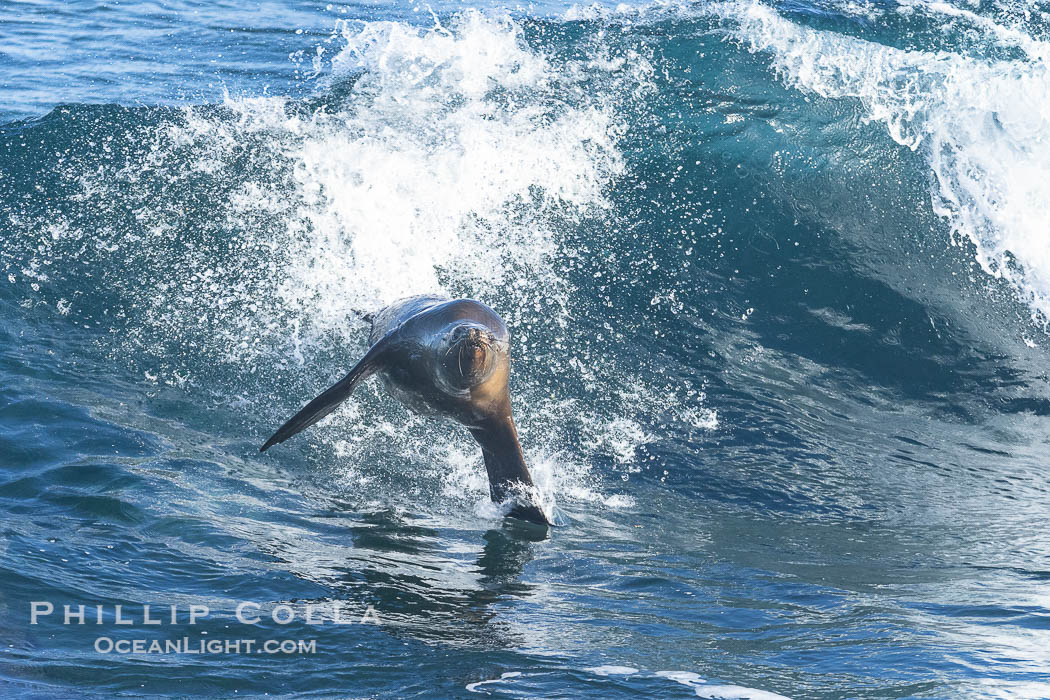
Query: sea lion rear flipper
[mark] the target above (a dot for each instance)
(331, 398)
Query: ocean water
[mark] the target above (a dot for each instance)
(778, 280)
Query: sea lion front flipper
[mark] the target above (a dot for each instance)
(505, 465)
(332, 397)
(499, 492)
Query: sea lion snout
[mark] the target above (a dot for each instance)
(473, 336)
(469, 355)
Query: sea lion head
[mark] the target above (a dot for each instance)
(467, 355)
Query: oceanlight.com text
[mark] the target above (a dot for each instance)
(185, 645)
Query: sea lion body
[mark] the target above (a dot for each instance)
(448, 358)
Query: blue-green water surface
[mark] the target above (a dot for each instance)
(777, 277)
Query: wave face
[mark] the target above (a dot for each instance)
(777, 277)
(977, 114)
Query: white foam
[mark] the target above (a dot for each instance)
(473, 687)
(683, 677)
(612, 670)
(735, 692)
(703, 689)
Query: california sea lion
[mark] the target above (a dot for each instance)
(449, 358)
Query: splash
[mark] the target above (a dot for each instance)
(436, 171)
